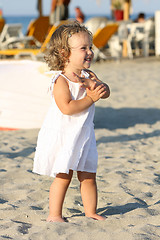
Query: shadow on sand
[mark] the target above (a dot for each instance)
(122, 209)
(112, 119)
(116, 210)
(23, 153)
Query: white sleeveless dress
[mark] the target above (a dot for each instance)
(66, 142)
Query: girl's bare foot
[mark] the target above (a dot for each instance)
(56, 219)
(97, 217)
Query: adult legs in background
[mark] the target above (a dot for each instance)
(88, 189)
(57, 194)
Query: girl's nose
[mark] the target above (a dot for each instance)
(90, 52)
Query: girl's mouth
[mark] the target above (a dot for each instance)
(88, 59)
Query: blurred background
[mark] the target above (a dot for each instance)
(15, 11)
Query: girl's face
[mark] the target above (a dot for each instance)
(81, 51)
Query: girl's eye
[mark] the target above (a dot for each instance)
(85, 48)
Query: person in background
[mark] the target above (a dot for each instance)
(141, 18)
(79, 15)
(59, 11)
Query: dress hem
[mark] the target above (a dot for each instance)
(66, 172)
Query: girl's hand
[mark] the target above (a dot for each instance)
(85, 82)
(94, 78)
(92, 83)
(97, 93)
(92, 75)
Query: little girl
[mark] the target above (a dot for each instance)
(66, 141)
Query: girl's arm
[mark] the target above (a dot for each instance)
(69, 106)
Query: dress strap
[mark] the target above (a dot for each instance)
(56, 74)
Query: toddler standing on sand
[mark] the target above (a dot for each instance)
(66, 141)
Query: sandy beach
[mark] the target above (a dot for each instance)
(127, 128)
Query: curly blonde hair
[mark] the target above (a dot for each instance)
(59, 50)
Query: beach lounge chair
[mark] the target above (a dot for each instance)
(39, 28)
(101, 38)
(13, 37)
(96, 22)
(34, 53)
(141, 38)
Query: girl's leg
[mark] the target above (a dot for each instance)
(56, 196)
(88, 188)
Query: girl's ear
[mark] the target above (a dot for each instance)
(62, 52)
(64, 55)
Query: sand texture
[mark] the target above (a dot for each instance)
(127, 128)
